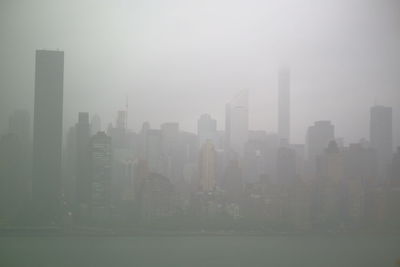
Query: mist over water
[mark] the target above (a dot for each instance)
(202, 251)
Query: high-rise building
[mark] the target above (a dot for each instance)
(20, 125)
(47, 134)
(172, 152)
(12, 188)
(122, 119)
(254, 161)
(361, 164)
(154, 151)
(83, 176)
(206, 129)
(381, 137)
(95, 124)
(232, 182)
(207, 167)
(330, 169)
(170, 136)
(237, 123)
(318, 137)
(101, 162)
(284, 105)
(286, 165)
(119, 132)
(143, 140)
(157, 198)
(395, 170)
(69, 166)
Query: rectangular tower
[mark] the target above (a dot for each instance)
(381, 137)
(284, 105)
(83, 181)
(237, 123)
(47, 134)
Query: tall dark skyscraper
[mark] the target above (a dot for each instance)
(381, 137)
(284, 105)
(47, 134)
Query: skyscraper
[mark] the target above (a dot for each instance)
(206, 129)
(47, 134)
(286, 165)
(101, 161)
(119, 132)
(169, 136)
(395, 171)
(83, 181)
(381, 137)
(95, 124)
(237, 123)
(207, 167)
(284, 105)
(20, 125)
(318, 137)
(154, 151)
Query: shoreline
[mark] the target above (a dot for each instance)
(120, 232)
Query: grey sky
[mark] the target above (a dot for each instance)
(178, 59)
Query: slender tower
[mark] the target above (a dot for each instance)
(284, 105)
(47, 135)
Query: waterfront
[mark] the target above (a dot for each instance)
(175, 251)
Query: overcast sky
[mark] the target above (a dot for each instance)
(178, 59)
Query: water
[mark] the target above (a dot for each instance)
(176, 251)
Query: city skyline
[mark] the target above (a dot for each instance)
(328, 61)
(199, 133)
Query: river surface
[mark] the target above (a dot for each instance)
(176, 251)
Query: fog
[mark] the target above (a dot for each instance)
(178, 59)
(199, 133)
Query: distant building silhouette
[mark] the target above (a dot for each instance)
(20, 125)
(83, 175)
(154, 154)
(119, 132)
(232, 182)
(206, 129)
(47, 135)
(286, 165)
(330, 169)
(254, 160)
(12, 184)
(101, 163)
(237, 123)
(170, 135)
(157, 198)
(284, 105)
(95, 124)
(207, 167)
(381, 137)
(318, 137)
(395, 172)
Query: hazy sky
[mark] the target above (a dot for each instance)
(178, 59)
